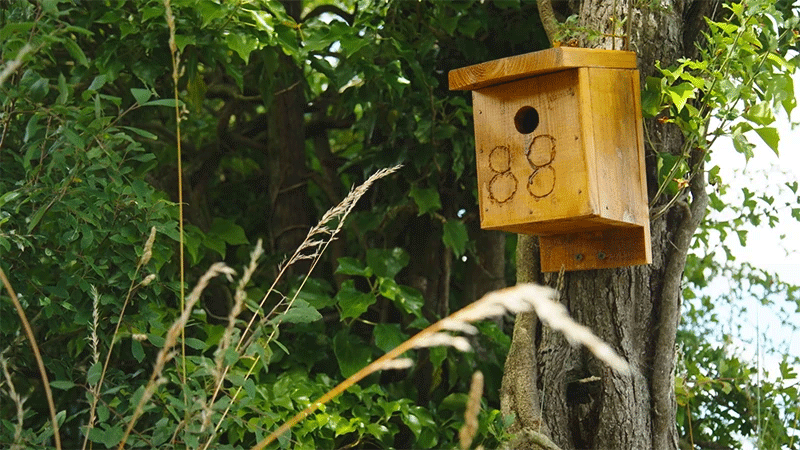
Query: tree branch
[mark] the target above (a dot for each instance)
(518, 391)
(548, 18)
(662, 381)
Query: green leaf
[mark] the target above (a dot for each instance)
(406, 298)
(741, 145)
(680, 94)
(97, 83)
(417, 419)
(300, 312)
(112, 436)
(250, 388)
(651, 97)
(427, 200)
(760, 113)
(141, 95)
(93, 375)
(387, 262)
(75, 51)
(454, 236)
(63, 90)
(137, 350)
(770, 137)
(242, 44)
(62, 384)
(195, 343)
(352, 266)
(228, 231)
(102, 413)
(39, 89)
(388, 336)
(216, 244)
(163, 102)
(318, 293)
(351, 353)
(353, 302)
(142, 133)
(182, 40)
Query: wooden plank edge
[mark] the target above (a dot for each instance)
(503, 70)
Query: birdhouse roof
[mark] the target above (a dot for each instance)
(537, 63)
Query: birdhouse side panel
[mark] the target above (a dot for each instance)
(530, 158)
(616, 144)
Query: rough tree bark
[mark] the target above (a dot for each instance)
(564, 393)
(288, 176)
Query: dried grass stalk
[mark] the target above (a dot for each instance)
(36, 354)
(18, 401)
(515, 299)
(166, 354)
(315, 243)
(467, 432)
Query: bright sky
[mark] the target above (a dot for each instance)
(772, 249)
(776, 249)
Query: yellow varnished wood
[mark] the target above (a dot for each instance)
(560, 154)
(537, 63)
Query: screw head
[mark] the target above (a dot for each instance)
(601, 255)
(579, 257)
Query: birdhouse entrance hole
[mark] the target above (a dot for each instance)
(560, 154)
(526, 120)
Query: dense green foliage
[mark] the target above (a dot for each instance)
(88, 167)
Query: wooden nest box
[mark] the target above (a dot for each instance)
(560, 154)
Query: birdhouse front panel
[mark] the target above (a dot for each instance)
(532, 175)
(556, 156)
(560, 154)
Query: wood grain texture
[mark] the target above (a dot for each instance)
(537, 63)
(561, 154)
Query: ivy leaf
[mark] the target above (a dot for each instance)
(387, 263)
(352, 266)
(406, 298)
(242, 44)
(388, 336)
(454, 236)
(353, 302)
(760, 113)
(770, 137)
(427, 200)
(300, 312)
(317, 293)
(680, 94)
(651, 97)
(351, 353)
(228, 231)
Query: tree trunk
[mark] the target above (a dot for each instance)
(563, 393)
(290, 212)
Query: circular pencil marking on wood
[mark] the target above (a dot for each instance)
(542, 181)
(542, 150)
(500, 159)
(503, 184)
(540, 155)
